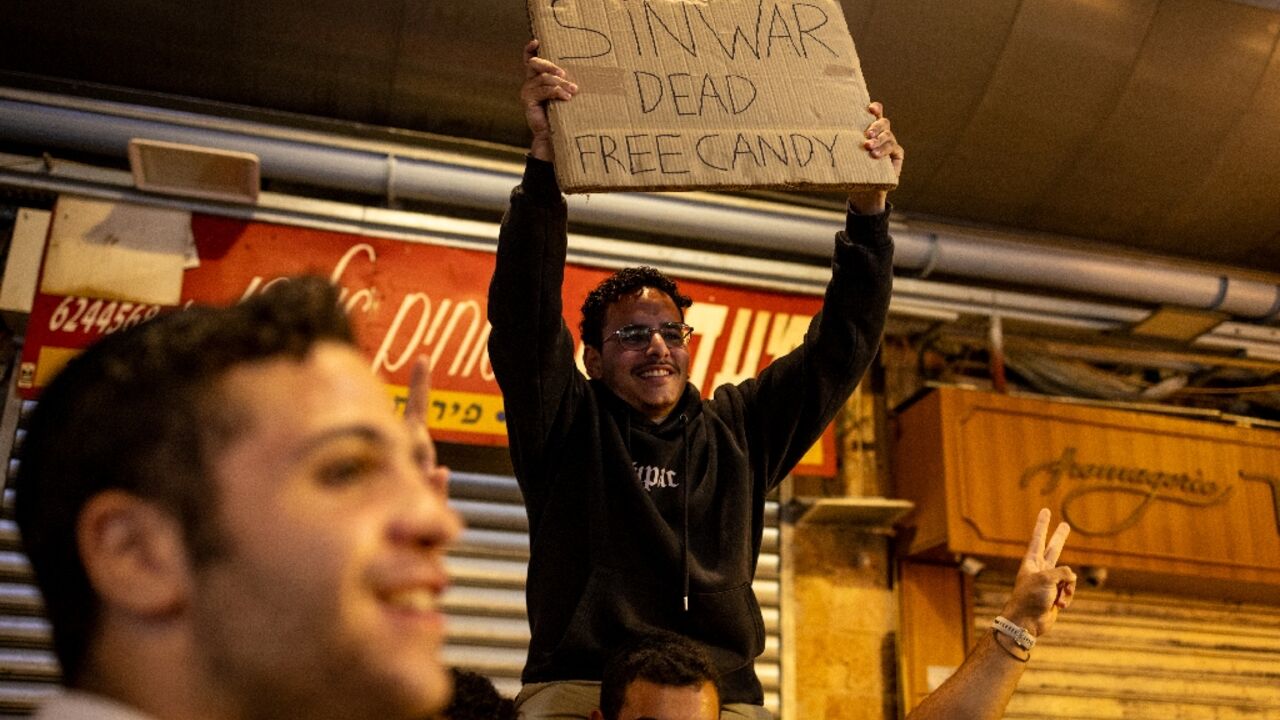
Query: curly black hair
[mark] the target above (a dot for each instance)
(475, 698)
(626, 281)
(662, 658)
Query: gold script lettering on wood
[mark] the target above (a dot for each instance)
(1160, 497)
(1148, 485)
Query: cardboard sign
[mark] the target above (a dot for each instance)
(407, 298)
(675, 95)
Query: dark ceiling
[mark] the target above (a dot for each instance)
(1145, 124)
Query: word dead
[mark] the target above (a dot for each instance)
(733, 94)
(788, 29)
(683, 153)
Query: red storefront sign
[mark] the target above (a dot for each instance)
(407, 299)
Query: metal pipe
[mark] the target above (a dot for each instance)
(332, 161)
(912, 297)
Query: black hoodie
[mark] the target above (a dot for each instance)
(627, 519)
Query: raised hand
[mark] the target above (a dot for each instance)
(879, 142)
(543, 81)
(1042, 588)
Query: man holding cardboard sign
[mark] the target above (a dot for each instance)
(646, 502)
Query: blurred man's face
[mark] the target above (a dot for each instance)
(326, 603)
(645, 700)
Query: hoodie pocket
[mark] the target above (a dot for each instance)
(614, 607)
(730, 624)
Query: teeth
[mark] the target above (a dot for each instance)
(655, 372)
(417, 600)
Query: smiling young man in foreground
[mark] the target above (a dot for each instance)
(227, 521)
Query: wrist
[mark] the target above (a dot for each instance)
(542, 149)
(1022, 618)
(1020, 634)
(1010, 648)
(868, 203)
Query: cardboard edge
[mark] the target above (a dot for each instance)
(794, 187)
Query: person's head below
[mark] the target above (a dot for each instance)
(476, 698)
(659, 677)
(635, 339)
(226, 519)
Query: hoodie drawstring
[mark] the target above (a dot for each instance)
(684, 424)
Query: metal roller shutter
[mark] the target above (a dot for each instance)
(28, 669)
(488, 628)
(1138, 656)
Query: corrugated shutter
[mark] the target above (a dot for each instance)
(488, 628)
(1138, 656)
(28, 669)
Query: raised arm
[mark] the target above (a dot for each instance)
(530, 347)
(980, 689)
(796, 397)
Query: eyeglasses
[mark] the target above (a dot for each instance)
(637, 337)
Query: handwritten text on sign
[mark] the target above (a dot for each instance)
(679, 94)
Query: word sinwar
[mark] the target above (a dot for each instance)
(790, 28)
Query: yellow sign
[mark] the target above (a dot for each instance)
(458, 411)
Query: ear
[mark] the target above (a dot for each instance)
(592, 360)
(133, 553)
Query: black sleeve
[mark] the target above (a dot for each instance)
(793, 400)
(530, 347)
